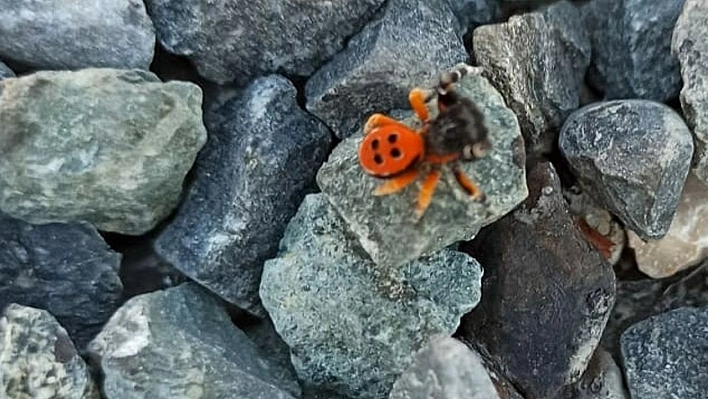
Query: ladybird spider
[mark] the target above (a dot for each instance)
(394, 151)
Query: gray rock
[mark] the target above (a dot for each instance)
(5, 72)
(240, 40)
(631, 48)
(386, 225)
(445, 369)
(516, 56)
(409, 45)
(666, 356)
(46, 34)
(66, 269)
(249, 180)
(181, 343)
(106, 146)
(602, 379)
(547, 292)
(38, 360)
(633, 156)
(473, 13)
(690, 45)
(352, 327)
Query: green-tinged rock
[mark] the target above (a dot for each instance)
(106, 146)
(386, 226)
(351, 326)
(38, 360)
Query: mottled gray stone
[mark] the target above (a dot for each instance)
(631, 48)
(473, 13)
(602, 379)
(408, 46)
(38, 360)
(66, 269)
(445, 369)
(352, 327)
(547, 292)
(180, 341)
(50, 34)
(666, 356)
(106, 146)
(5, 72)
(690, 45)
(633, 156)
(239, 40)
(517, 57)
(386, 225)
(260, 161)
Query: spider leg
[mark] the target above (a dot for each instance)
(426, 192)
(446, 96)
(418, 99)
(378, 120)
(468, 185)
(397, 183)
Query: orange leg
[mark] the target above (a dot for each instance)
(467, 184)
(426, 192)
(378, 120)
(397, 183)
(418, 97)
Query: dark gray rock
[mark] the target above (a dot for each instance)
(46, 34)
(352, 327)
(249, 181)
(386, 225)
(666, 356)
(445, 369)
(602, 379)
(66, 269)
(631, 48)
(473, 13)
(240, 40)
(633, 156)
(38, 360)
(5, 72)
(408, 46)
(182, 342)
(106, 146)
(547, 292)
(537, 61)
(690, 45)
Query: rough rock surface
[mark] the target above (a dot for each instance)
(50, 34)
(667, 355)
(516, 56)
(352, 327)
(5, 72)
(602, 379)
(38, 360)
(631, 48)
(376, 70)
(547, 293)
(472, 13)
(633, 156)
(386, 225)
(240, 40)
(249, 180)
(106, 146)
(686, 242)
(66, 269)
(180, 341)
(690, 45)
(445, 369)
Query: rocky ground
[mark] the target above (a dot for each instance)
(183, 214)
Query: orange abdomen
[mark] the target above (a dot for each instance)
(390, 150)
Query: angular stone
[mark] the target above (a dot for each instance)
(181, 341)
(445, 369)
(515, 56)
(240, 40)
(66, 269)
(38, 360)
(686, 242)
(351, 326)
(690, 45)
(378, 68)
(386, 225)
(255, 170)
(667, 354)
(633, 157)
(602, 379)
(50, 34)
(631, 45)
(5, 72)
(546, 291)
(106, 146)
(473, 13)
